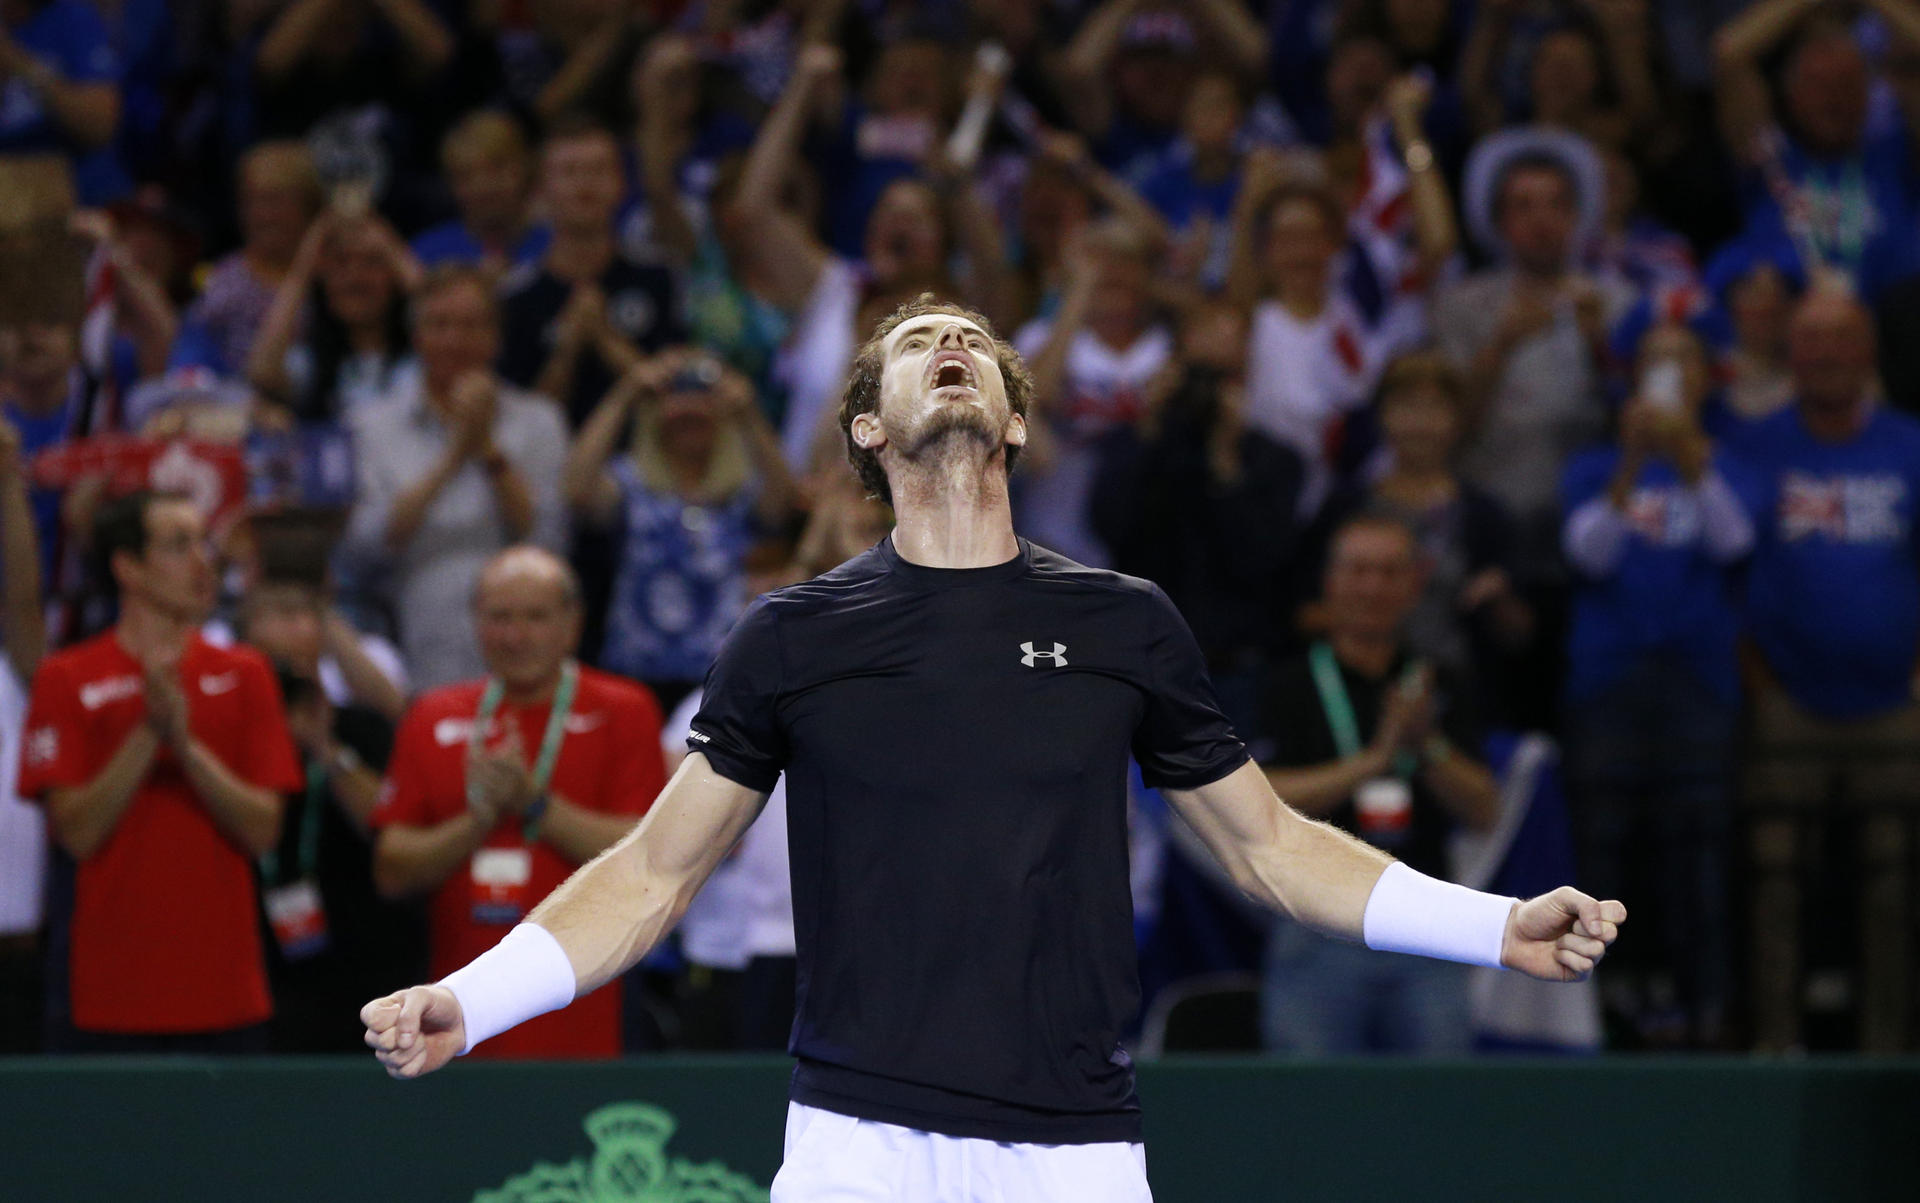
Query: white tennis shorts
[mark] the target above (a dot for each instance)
(833, 1158)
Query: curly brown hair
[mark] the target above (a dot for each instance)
(863, 385)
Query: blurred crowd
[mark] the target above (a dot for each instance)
(400, 399)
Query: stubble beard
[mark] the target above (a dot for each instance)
(954, 434)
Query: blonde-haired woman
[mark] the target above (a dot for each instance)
(701, 479)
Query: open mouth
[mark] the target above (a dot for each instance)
(953, 369)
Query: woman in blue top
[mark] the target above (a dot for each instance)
(702, 476)
(1652, 533)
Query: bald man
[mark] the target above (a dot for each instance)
(499, 788)
(1834, 611)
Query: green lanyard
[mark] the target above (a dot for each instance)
(1338, 707)
(1849, 205)
(308, 849)
(549, 743)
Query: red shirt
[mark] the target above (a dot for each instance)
(610, 762)
(166, 929)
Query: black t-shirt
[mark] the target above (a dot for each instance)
(955, 743)
(373, 945)
(1296, 734)
(642, 306)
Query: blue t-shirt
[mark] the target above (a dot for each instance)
(69, 36)
(681, 583)
(1860, 210)
(452, 242)
(1833, 597)
(1666, 597)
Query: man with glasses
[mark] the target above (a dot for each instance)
(160, 760)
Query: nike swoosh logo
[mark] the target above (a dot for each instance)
(214, 686)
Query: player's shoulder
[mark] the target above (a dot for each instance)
(84, 658)
(862, 574)
(1893, 427)
(1051, 569)
(460, 699)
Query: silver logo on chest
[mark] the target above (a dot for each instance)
(1057, 657)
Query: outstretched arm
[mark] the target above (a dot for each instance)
(603, 919)
(1740, 91)
(1338, 885)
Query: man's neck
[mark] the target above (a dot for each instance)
(954, 514)
(1534, 276)
(1836, 423)
(535, 693)
(580, 254)
(39, 398)
(1424, 482)
(496, 235)
(1304, 299)
(1368, 654)
(145, 631)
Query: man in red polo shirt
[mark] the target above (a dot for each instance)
(160, 759)
(498, 789)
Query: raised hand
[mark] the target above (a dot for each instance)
(414, 1031)
(475, 397)
(1561, 936)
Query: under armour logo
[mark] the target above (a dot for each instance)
(1058, 655)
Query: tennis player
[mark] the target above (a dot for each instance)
(954, 711)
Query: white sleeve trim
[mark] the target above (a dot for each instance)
(524, 975)
(1595, 537)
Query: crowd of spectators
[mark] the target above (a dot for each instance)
(400, 399)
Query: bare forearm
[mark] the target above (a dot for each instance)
(267, 361)
(556, 376)
(771, 156)
(409, 508)
(583, 480)
(670, 224)
(356, 789)
(247, 814)
(580, 834)
(429, 43)
(511, 497)
(26, 628)
(1244, 277)
(1238, 32)
(1050, 366)
(413, 860)
(82, 818)
(88, 112)
(779, 494)
(149, 313)
(582, 67)
(1465, 788)
(986, 257)
(292, 37)
(1436, 232)
(366, 681)
(619, 905)
(1759, 29)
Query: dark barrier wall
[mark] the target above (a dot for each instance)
(707, 1130)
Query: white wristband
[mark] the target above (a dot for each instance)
(1411, 912)
(524, 975)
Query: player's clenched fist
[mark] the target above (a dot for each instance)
(415, 1031)
(1561, 936)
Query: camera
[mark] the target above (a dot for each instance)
(698, 375)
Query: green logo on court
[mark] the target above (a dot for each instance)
(629, 1165)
